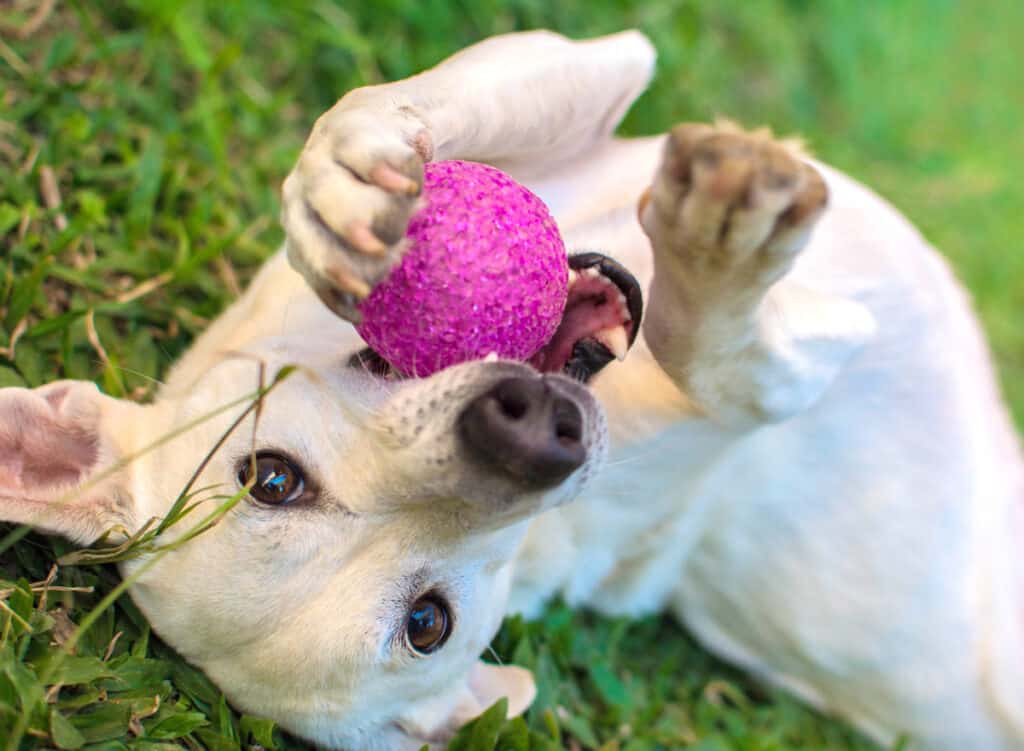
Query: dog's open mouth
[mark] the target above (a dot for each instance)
(600, 322)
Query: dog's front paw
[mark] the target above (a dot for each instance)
(730, 209)
(347, 202)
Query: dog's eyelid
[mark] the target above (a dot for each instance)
(309, 482)
(416, 595)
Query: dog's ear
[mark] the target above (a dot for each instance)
(60, 446)
(486, 684)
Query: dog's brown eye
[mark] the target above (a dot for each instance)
(428, 625)
(278, 481)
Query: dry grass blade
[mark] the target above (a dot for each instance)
(33, 23)
(50, 191)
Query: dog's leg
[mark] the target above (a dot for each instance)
(534, 97)
(727, 215)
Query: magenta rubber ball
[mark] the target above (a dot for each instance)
(486, 271)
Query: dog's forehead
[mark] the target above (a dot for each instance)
(290, 380)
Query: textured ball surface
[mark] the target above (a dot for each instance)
(486, 271)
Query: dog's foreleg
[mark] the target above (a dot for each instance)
(727, 215)
(534, 96)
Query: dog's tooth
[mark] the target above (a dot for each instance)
(592, 272)
(573, 277)
(493, 357)
(615, 339)
(624, 304)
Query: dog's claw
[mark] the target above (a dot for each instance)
(345, 280)
(390, 179)
(361, 237)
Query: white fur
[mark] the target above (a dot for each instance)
(822, 484)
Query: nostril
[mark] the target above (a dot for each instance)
(512, 401)
(568, 424)
(567, 434)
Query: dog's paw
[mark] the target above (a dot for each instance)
(729, 208)
(347, 202)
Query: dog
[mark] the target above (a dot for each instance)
(809, 462)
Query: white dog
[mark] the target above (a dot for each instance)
(810, 464)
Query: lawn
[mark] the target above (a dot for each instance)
(142, 146)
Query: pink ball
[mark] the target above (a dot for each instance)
(486, 271)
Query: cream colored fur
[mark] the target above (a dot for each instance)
(809, 462)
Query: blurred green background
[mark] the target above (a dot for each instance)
(165, 128)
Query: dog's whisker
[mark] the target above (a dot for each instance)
(629, 459)
(494, 655)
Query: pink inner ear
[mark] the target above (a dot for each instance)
(55, 395)
(40, 447)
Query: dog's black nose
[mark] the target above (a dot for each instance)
(522, 427)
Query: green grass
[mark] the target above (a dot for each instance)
(169, 127)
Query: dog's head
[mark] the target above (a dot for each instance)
(351, 591)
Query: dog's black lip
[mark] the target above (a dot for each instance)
(588, 358)
(616, 273)
(372, 362)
